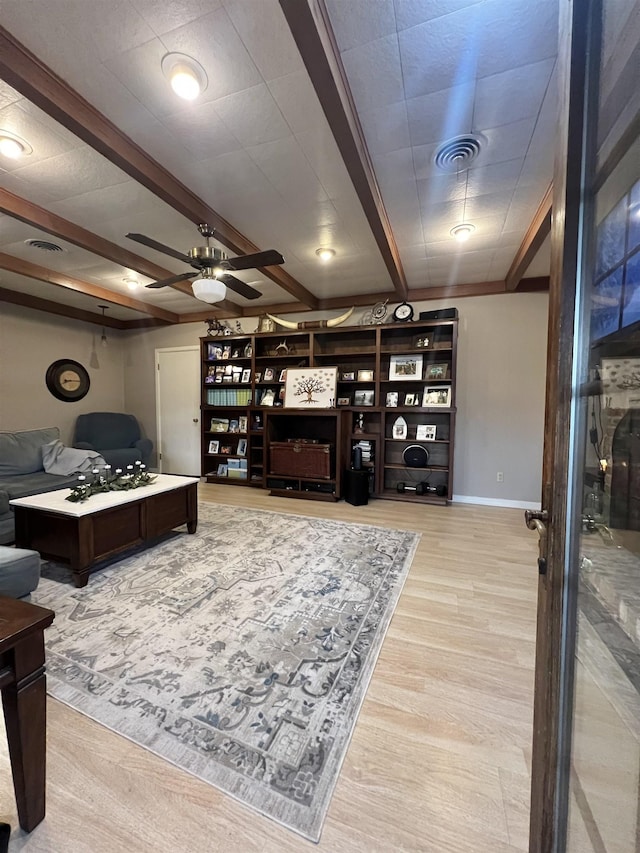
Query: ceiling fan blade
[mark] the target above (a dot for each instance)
(173, 280)
(159, 247)
(268, 258)
(239, 287)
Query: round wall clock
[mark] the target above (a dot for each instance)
(67, 380)
(403, 313)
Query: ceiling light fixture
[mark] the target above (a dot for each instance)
(207, 288)
(103, 337)
(13, 146)
(131, 282)
(187, 77)
(325, 255)
(462, 232)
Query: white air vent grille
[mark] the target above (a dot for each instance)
(44, 245)
(458, 153)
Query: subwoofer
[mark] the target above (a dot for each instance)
(415, 456)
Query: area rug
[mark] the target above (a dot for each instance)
(241, 654)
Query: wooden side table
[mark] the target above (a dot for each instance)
(24, 697)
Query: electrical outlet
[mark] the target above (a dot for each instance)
(500, 477)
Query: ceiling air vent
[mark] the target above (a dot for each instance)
(44, 245)
(458, 153)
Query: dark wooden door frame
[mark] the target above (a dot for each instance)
(557, 589)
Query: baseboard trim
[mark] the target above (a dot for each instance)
(470, 499)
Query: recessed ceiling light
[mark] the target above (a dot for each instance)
(325, 254)
(131, 282)
(463, 231)
(13, 146)
(185, 75)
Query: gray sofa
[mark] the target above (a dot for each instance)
(22, 472)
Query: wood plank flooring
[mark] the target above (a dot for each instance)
(440, 757)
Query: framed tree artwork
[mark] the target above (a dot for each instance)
(310, 388)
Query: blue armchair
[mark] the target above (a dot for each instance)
(115, 436)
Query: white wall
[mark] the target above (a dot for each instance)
(500, 389)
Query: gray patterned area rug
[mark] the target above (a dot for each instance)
(241, 654)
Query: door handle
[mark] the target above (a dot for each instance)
(537, 520)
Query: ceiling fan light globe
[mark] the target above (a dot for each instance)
(209, 289)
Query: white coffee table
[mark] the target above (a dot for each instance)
(83, 534)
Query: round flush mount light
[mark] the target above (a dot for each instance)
(325, 255)
(186, 76)
(131, 282)
(13, 146)
(462, 232)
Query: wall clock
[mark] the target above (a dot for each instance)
(403, 313)
(67, 380)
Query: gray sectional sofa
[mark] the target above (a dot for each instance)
(22, 472)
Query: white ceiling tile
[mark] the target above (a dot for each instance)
(410, 13)
(264, 32)
(423, 160)
(71, 173)
(524, 204)
(442, 188)
(41, 136)
(322, 152)
(102, 204)
(386, 128)
(516, 33)
(201, 131)
(296, 99)
(441, 115)
(494, 178)
(394, 167)
(375, 73)
(253, 116)
(513, 94)
(8, 95)
(507, 142)
(359, 21)
(162, 17)
(490, 204)
(286, 167)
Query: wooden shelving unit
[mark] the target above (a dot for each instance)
(411, 364)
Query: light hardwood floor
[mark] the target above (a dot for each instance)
(441, 754)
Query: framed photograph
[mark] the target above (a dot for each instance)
(344, 401)
(246, 375)
(222, 470)
(258, 376)
(214, 446)
(283, 375)
(364, 398)
(242, 423)
(234, 425)
(310, 387)
(219, 424)
(268, 374)
(405, 367)
(426, 432)
(349, 376)
(235, 353)
(437, 396)
(248, 351)
(365, 376)
(242, 447)
(437, 370)
(210, 378)
(392, 399)
(268, 398)
(226, 449)
(214, 351)
(226, 351)
(411, 399)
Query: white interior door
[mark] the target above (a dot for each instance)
(178, 410)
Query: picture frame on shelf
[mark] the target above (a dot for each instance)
(364, 397)
(437, 370)
(268, 375)
(391, 401)
(283, 375)
(310, 388)
(426, 432)
(225, 449)
(219, 425)
(243, 423)
(437, 396)
(242, 447)
(234, 425)
(248, 350)
(258, 376)
(246, 375)
(348, 376)
(222, 470)
(214, 352)
(423, 342)
(365, 376)
(235, 352)
(210, 378)
(407, 368)
(226, 351)
(214, 447)
(411, 399)
(344, 401)
(268, 398)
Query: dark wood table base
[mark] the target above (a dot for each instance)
(24, 695)
(83, 541)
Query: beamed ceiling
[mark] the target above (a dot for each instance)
(318, 127)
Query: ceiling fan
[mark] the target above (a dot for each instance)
(213, 267)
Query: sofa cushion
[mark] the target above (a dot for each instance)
(21, 452)
(4, 503)
(35, 484)
(19, 571)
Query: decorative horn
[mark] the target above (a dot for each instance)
(313, 324)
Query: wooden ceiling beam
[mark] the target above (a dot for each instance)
(22, 70)
(38, 304)
(537, 232)
(310, 26)
(26, 268)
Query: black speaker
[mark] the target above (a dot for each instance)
(439, 314)
(415, 456)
